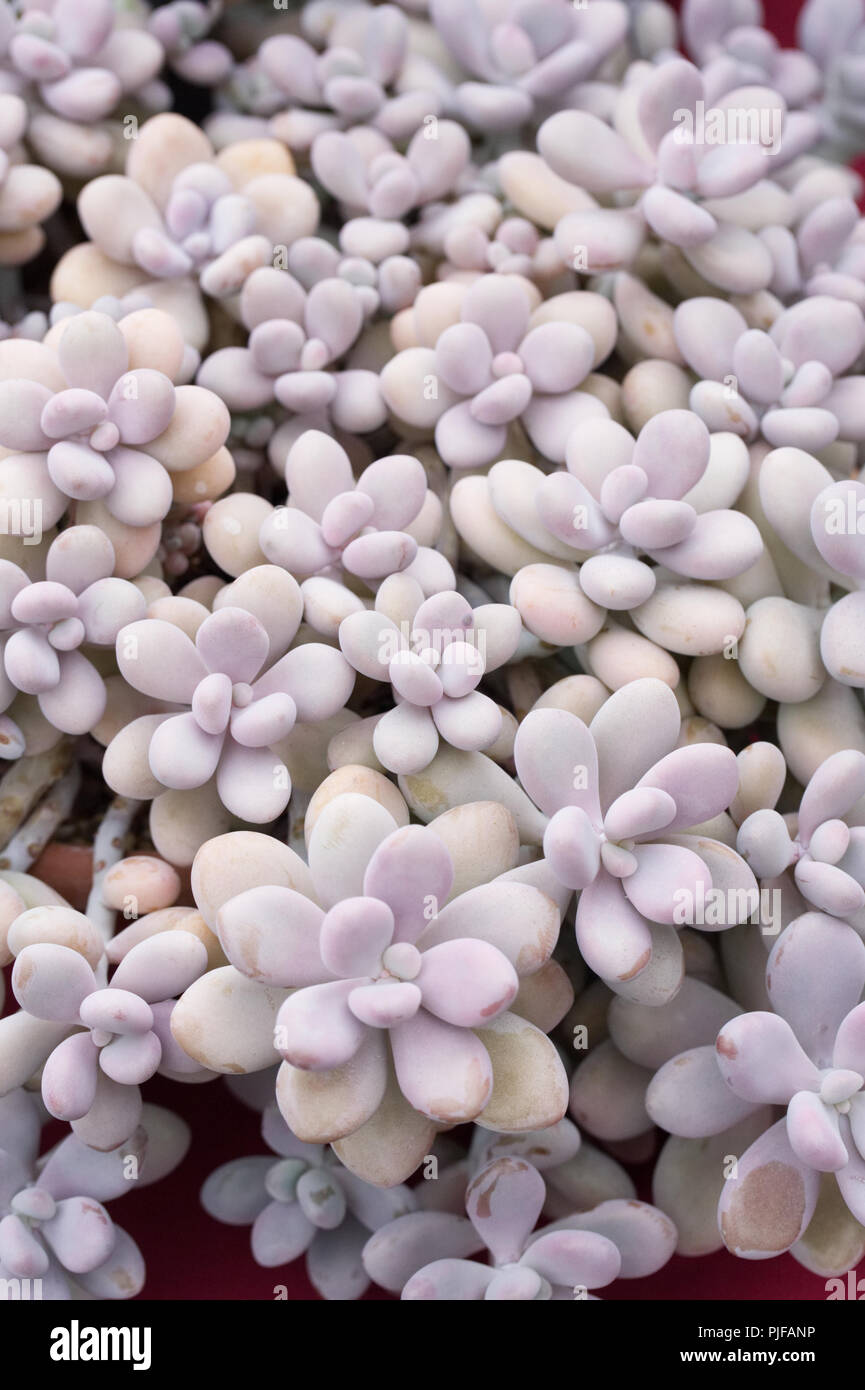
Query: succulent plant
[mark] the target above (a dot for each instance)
(781, 384)
(625, 830)
(84, 425)
(294, 338)
(681, 170)
(399, 998)
(45, 622)
(803, 1056)
(734, 33)
(620, 498)
(307, 1204)
(91, 1079)
(823, 851)
(435, 658)
(495, 366)
(332, 524)
(241, 704)
(54, 1229)
(518, 60)
(503, 1202)
(366, 75)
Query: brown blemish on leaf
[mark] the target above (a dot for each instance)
(766, 1210)
(98, 1212)
(639, 965)
(726, 1047)
(492, 1009)
(23, 973)
(453, 1110)
(504, 1168)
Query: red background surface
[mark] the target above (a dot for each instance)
(190, 1256)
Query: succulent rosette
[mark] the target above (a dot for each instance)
(781, 384)
(241, 703)
(54, 1228)
(733, 33)
(92, 1078)
(520, 59)
(389, 1002)
(366, 75)
(370, 178)
(624, 831)
(618, 499)
(370, 256)
(504, 1200)
(805, 1056)
(83, 422)
(306, 1203)
(294, 340)
(44, 623)
(183, 216)
(73, 61)
(333, 524)
(824, 853)
(183, 28)
(683, 176)
(435, 658)
(499, 363)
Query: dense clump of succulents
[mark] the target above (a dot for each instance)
(517, 61)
